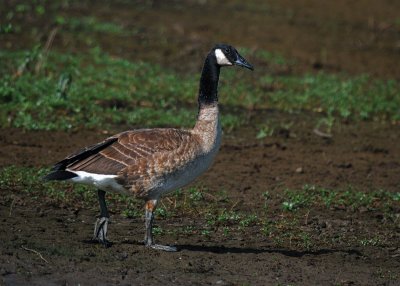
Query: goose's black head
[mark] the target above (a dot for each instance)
(227, 55)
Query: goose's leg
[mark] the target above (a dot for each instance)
(101, 225)
(148, 239)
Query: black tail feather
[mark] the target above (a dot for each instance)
(83, 154)
(59, 176)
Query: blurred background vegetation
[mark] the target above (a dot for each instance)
(95, 64)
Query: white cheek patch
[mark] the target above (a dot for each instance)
(221, 58)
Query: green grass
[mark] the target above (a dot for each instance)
(96, 90)
(215, 214)
(88, 25)
(356, 97)
(101, 91)
(348, 198)
(216, 207)
(47, 91)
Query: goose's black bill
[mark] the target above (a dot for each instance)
(240, 61)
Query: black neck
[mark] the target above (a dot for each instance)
(208, 93)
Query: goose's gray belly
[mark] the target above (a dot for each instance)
(184, 175)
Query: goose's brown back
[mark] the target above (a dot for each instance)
(143, 159)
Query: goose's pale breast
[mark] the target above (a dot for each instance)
(192, 159)
(193, 169)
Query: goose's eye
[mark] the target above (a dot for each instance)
(227, 50)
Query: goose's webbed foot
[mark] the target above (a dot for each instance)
(100, 231)
(162, 247)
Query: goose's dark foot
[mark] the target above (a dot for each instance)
(163, 247)
(100, 231)
(148, 239)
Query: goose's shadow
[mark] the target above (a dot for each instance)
(253, 250)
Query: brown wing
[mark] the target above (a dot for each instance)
(125, 149)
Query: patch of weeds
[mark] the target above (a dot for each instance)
(189, 230)
(348, 198)
(286, 231)
(356, 199)
(222, 218)
(267, 228)
(295, 199)
(248, 220)
(327, 196)
(227, 217)
(132, 213)
(375, 241)
(386, 274)
(231, 219)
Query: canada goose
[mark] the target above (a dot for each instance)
(149, 163)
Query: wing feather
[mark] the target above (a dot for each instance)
(125, 149)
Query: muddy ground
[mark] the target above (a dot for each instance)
(365, 155)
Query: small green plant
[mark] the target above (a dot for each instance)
(289, 206)
(325, 125)
(161, 211)
(205, 232)
(6, 28)
(157, 230)
(227, 217)
(306, 241)
(266, 228)
(327, 196)
(266, 196)
(265, 131)
(296, 199)
(195, 194)
(386, 274)
(248, 220)
(226, 231)
(375, 241)
(188, 230)
(132, 213)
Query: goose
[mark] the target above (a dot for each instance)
(149, 163)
